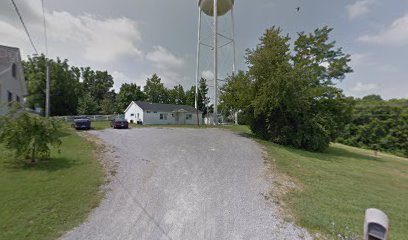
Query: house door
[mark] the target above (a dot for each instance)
(177, 116)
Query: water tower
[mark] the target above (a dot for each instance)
(216, 10)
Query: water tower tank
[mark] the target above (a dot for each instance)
(207, 6)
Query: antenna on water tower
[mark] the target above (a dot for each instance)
(214, 9)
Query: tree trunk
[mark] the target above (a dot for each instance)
(33, 155)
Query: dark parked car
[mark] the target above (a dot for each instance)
(82, 124)
(119, 123)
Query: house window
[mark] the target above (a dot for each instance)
(138, 116)
(132, 115)
(154, 112)
(189, 116)
(147, 111)
(163, 116)
(18, 99)
(14, 70)
(9, 96)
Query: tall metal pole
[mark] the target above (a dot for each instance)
(215, 62)
(47, 80)
(198, 61)
(47, 91)
(234, 54)
(233, 41)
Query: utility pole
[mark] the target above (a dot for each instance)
(47, 91)
(47, 77)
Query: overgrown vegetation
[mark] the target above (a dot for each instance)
(28, 135)
(334, 188)
(291, 99)
(378, 125)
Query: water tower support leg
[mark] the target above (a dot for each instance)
(215, 62)
(233, 42)
(198, 57)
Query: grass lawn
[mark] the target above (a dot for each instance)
(338, 185)
(45, 200)
(100, 125)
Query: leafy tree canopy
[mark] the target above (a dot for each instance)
(87, 105)
(155, 90)
(177, 95)
(290, 97)
(379, 125)
(127, 94)
(28, 135)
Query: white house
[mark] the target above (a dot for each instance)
(156, 113)
(12, 83)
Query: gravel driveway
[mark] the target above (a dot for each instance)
(185, 184)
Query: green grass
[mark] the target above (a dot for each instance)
(43, 201)
(338, 185)
(100, 125)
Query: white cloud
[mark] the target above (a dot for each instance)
(360, 87)
(168, 66)
(10, 33)
(96, 39)
(394, 35)
(121, 78)
(359, 8)
(209, 75)
(361, 59)
(92, 38)
(163, 58)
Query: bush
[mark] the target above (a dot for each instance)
(28, 135)
(292, 95)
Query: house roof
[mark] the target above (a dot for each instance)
(159, 107)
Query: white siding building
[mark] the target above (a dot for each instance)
(12, 83)
(156, 114)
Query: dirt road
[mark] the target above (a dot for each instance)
(185, 184)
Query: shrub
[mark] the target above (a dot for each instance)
(28, 135)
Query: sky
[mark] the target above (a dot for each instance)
(133, 39)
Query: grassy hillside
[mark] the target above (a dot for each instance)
(335, 187)
(45, 200)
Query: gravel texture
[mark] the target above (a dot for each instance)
(180, 183)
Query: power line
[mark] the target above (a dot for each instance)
(45, 29)
(25, 27)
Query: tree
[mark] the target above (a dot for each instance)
(108, 103)
(202, 99)
(372, 97)
(28, 135)
(97, 83)
(65, 87)
(190, 96)
(236, 96)
(87, 105)
(177, 95)
(127, 94)
(294, 98)
(155, 90)
(378, 125)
